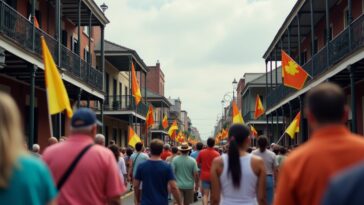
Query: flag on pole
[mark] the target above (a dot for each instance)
(224, 134)
(133, 137)
(237, 118)
(165, 122)
(253, 131)
(294, 127)
(173, 128)
(58, 100)
(259, 109)
(150, 117)
(135, 85)
(294, 75)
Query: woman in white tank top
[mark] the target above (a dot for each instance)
(238, 178)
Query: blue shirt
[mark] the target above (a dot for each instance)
(194, 154)
(346, 188)
(155, 176)
(137, 159)
(30, 184)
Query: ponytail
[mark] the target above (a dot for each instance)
(237, 137)
(234, 167)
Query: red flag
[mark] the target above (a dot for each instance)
(294, 75)
(259, 109)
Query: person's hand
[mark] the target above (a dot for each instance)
(196, 188)
(129, 178)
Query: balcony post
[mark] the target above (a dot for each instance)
(271, 72)
(266, 94)
(79, 97)
(103, 57)
(33, 28)
(79, 33)
(290, 118)
(31, 105)
(303, 128)
(283, 124)
(312, 36)
(327, 11)
(299, 38)
(353, 99)
(130, 93)
(89, 61)
(289, 40)
(58, 32)
(276, 66)
(277, 124)
(102, 117)
(350, 8)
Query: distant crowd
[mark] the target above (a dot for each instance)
(78, 169)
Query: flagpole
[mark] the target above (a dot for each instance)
(279, 140)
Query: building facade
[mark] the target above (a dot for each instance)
(327, 39)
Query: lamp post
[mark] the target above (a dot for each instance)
(235, 84)
(104, 7)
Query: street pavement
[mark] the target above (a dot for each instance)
(128, 199)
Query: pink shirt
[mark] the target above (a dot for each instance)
(95, 178)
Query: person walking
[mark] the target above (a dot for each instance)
(156, 175)
(269, 159)
(85, 173)
(121, 163)
(136, 159)
(174, 154)
(100, 139)
(36, 150)
(204, 160)
(238, 178)
(195, 153)
(305, 173)
(281, 156)
(186, 172)
(24, 179)
(166, 152)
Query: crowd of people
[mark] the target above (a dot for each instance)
(79, 169)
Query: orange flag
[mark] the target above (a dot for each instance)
(133, 138)
(165, 122)
(237, 118)
(294, 75)
(259, 109)
(135, 85)
(149, 120)
(253, 131)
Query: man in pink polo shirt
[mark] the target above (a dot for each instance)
(95, 178)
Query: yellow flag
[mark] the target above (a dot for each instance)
(237, 118)
(135, 85)
(133, 137)
(173, 128)
(58, 100)
(294, 127)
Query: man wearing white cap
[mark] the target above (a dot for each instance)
(186, 172)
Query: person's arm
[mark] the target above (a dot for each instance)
(216, 170)
(197, 178)
(175, 191)
(261, 173)
(114, 201)
(130, 172)
(137, 197)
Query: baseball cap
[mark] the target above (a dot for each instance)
(84, 117)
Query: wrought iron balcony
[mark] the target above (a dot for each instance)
(347, 42)
(250, 117)
(18, 29)
(124, 103)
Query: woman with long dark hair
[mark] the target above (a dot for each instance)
(238, 178)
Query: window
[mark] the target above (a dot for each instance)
(86, 55)
(346, 17)
(87, 31)
(74, 44)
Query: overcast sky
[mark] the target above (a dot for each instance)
(202, 45)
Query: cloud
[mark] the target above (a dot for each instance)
(202, 44)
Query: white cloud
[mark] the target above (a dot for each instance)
(202, 44)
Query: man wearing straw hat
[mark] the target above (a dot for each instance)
(186, 172)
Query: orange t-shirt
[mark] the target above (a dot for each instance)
(165, 154)
(306, 172)
(205, 159)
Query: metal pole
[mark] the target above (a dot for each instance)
(276, 66)
(32, 106)
(299, 38)
(312, 37)
(33, 28)
(79, 32)
(102, 117)
(350, 8)
(327, 11)
(103, 58)
(289, 40)
(58, 31)
(353, 99)
(290, 118)
(277, 122)
(266, 90)
(283, 122)
(79, 97)
(271, 72)
(303, 132)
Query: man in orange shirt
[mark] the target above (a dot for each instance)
(306, 172)
(166, 152)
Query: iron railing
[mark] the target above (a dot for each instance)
(344, 44)
(250, 117)
(20, 30)
(124, 103)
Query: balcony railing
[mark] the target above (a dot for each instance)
(250, 117)
(20, 30)
(124, 103)
(347, 42)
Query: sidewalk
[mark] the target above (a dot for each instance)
(128, 199)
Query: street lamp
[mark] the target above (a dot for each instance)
(235, 84)
(104, 7)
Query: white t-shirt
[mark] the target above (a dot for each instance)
(122, 165)
(269, 159)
